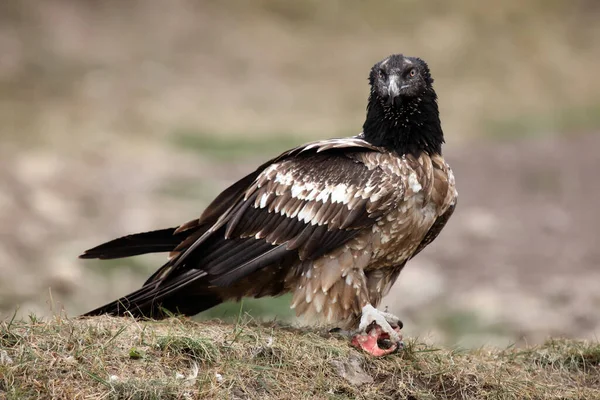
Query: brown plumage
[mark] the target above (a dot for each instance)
(333, 222)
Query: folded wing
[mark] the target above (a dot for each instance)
(299, 206)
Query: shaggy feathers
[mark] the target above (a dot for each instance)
(333, 221)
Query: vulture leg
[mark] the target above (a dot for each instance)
(377, 326)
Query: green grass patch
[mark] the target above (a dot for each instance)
(459, 324)
(265, 308)
(198, 348)
(559, 122)
(190, 189)
(233, 147)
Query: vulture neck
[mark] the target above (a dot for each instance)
(411, 127)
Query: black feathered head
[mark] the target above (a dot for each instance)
(398, 77)
(402, 113)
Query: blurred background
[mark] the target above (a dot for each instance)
(118, 117)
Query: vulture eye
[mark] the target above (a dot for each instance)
(382, 74)
(412, 72)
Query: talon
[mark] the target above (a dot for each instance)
(393, 320)
(370, 315)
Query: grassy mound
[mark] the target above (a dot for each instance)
(120, 358)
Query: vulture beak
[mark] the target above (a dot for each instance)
(393, 89)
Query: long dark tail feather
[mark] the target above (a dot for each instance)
(159, 241)
(184, 297)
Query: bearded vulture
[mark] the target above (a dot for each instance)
(333, 221)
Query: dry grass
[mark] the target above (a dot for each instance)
(119, 358)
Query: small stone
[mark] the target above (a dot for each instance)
(351, 370)
(5, 358)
